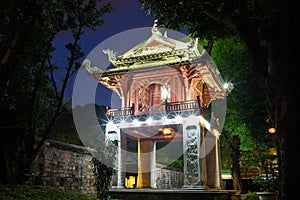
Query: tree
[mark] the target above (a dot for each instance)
(241, 130)
(32, 98)
(269, 31)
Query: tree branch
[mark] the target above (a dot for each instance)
(61, 95)
(220, 17)
(52, 78)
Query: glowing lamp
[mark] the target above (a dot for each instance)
(228, 86)
(167, 131)
(130, 182)
(272, 130)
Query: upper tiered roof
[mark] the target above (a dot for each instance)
(159, 51)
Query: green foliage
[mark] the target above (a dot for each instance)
(190, 17)
(177, 163)
(269, 183)
(267, 164)
(211, 19)
(103, 167)
(234, 62)
(25, 192)
(31, 90)
(250, 196)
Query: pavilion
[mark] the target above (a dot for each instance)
(167, 87)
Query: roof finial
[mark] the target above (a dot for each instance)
(195, 43)
(155, 28)
(166, 34)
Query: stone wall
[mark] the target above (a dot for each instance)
(68, 167)
(65, 166)
(168, 177)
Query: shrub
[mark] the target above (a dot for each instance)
(102, 163)
(250, 196)
(26, 192)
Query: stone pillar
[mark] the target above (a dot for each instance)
(122, 160)
(153, 166)
(193, 155)
(112, 133)
(146, 164)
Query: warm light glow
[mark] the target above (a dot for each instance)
(166, 131)
(204, 122)
(272, 130)
(129, 182)
(273, 151)
(216, 132)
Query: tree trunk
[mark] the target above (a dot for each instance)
(234, 143)
(14, 146)
(235, 170)
(285, 87)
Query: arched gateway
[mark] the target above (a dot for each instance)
(167, 89)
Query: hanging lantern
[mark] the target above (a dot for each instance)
(272, 130)
(166, 131)
(271, 123)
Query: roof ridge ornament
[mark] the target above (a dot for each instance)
(195, 45)
(155, 29)
(166, 34)
(112, 55)
(92, 69)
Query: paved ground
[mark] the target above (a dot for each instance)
(170, 194)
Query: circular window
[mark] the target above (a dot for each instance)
(152, 95)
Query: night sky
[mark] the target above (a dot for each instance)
(126, 15)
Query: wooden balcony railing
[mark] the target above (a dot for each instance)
(118, 112)
(180, 106)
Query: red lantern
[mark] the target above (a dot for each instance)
(270, 121)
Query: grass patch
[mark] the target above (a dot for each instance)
(26, 192)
